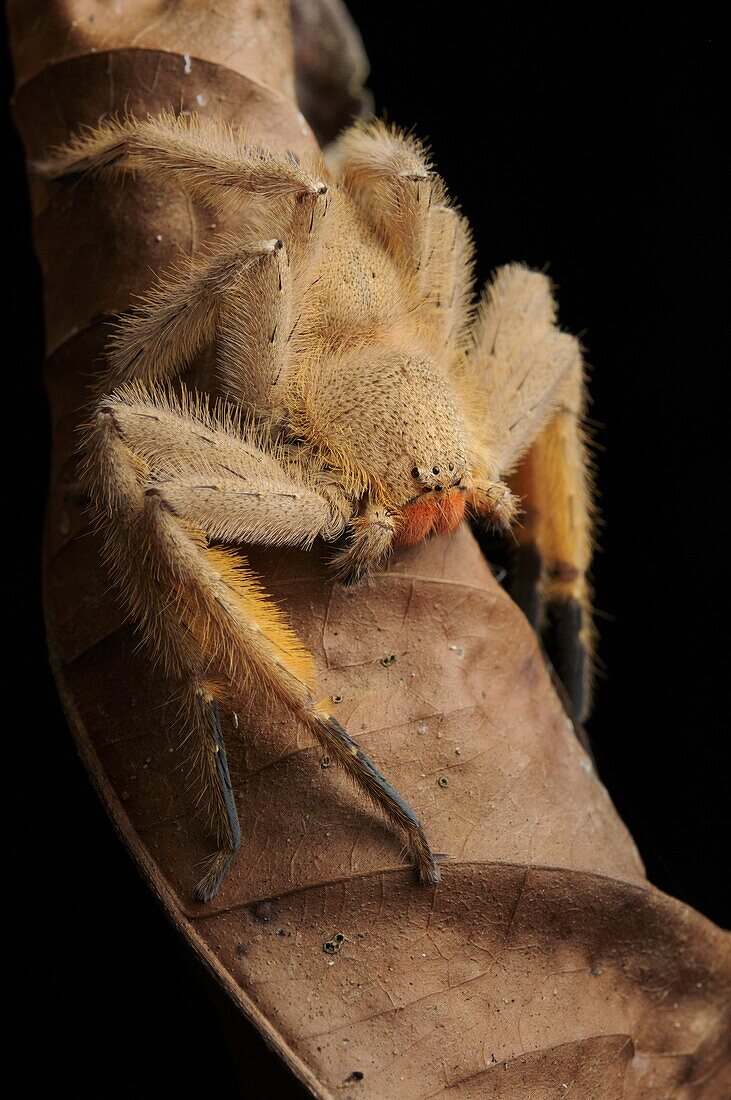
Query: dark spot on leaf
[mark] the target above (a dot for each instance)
(332, 946)
(264, 911)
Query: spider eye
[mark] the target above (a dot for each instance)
(451, 467)
(415, 471)
(435, 469)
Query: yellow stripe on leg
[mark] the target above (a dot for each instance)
(262, 614)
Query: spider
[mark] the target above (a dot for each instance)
(360, 398)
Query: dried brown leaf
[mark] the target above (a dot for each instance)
(545, 965)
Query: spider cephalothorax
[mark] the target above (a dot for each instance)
(360, 399)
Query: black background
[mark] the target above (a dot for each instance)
(595, 149)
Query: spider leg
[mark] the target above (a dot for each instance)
(496, 502)
(555, 542)
(524, 379)
(446, 282)
(189, 307)
(256, 320)
(222, 803)
(372, 538)
(253, 323)
(162, 492)
(389, 176)
(241, 291)
(205, 157)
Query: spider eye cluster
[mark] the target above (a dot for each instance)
(439, 476)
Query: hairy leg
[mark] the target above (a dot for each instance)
(390, 178)
(445, 283)
(555, 543)
(511, 377)
(495, 502)
(371, 540)
(205, 157)
(245, 293)
(205, 617)
(189, 307)
(524, 381)
(259, 317)
(389, 175)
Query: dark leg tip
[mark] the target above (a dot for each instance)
(210, 884)
(204, 893)
(567, 652)
(429, 871)
(524, 581)
(351, 578)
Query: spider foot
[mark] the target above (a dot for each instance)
(370, 543)
(216, 867)
(223, 805)
(349, 575)
(426, 862)
(335, 738)
(496, 503)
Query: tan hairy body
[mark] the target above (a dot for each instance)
(363, 401)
